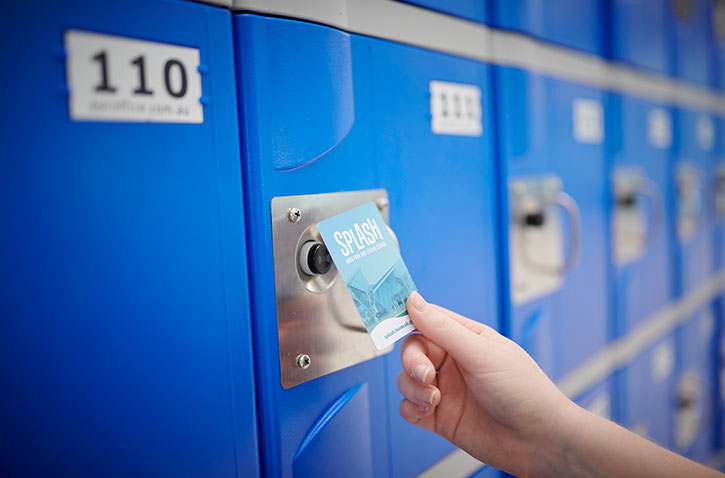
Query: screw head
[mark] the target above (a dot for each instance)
(294, 214)
(382, 204)
(303, 361)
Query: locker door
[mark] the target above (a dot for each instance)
(640, 33)
(125, 339)
(306, 112)
(692, 38)
(695, 392)
(642, 246)
(551, 145)
(434, 153)
(477, 11)
(577, 24)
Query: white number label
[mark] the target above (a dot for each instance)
(588, 116)
(121, 79)
(455, 109)
(659, 128)
(705, 132)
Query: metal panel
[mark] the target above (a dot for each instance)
(316, 316)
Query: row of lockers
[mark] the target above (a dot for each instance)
(153, 320)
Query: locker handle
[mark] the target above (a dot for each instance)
(651, 192)
(568, 204)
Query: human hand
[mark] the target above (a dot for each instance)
(488, 396)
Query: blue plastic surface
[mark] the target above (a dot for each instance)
(476, 11)
(124, 341)
(645, 285)
(390, 145)
(564, 328)
(698, 345)
(695, 256)
(648, 397)
(641, 33)
(443, 208)
(268, 51)
(692, 39)
(578, 24)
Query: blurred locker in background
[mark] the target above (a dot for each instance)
(551, 143)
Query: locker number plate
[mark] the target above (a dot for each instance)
(113, 78)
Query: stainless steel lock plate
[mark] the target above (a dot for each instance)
(320, 330)
(637, 214)
(536, 255)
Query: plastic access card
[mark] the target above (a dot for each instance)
(369, 262)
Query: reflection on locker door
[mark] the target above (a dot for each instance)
(570, 23)
(125, 335)
(306, 113)
(552, 149)
(434, 153)
(642, 243)
(695, 393)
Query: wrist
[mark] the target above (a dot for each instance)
(565, 421)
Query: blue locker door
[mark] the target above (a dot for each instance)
(307, 126)
(692, 34)
(695, 135)
(696, 390)
(643, 240)
(641, 139)
(550, 128)
(476, 11)
(640, 34)
(648, 384)
(578, 24)
(442, 186)
(125, 335)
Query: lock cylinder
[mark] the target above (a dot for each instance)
(314, 258)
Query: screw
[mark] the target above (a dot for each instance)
(303, 361)
(382, 203)
(294, 214)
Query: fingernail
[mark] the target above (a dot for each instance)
(422, 408)
(421, 372)
(429, 397)
(418, 301)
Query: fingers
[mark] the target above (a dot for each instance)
(413, 413)
(415, 360)
(472, 325)
(422, 395)
(440, 327)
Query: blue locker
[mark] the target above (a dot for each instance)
(692, 33)
(125, 335)
(641, 33)
(476, 11)
(718, 43)
(578, 24)
(552, 135)
(694, 141)
(305, 98)
(696, 391)
(640, 139)
(640, 143)
(325, 111)
(647, 392)
(443, 205)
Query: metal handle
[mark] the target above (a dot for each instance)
(651, 191)
(567, 203)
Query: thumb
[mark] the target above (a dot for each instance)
(442, 329)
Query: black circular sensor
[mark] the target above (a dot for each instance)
(318, 259)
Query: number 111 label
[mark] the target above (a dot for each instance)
(114, 78)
